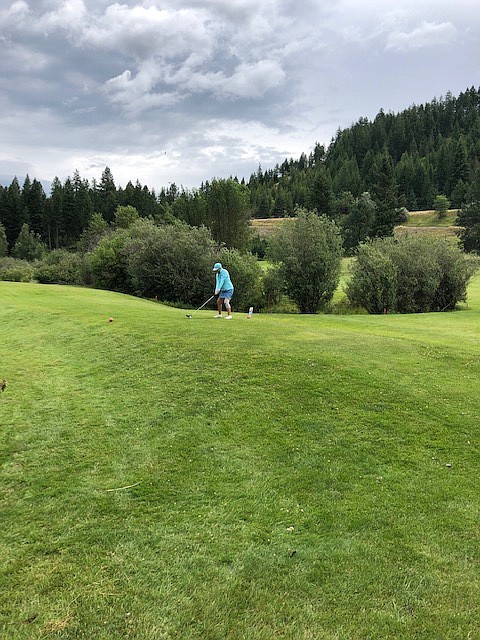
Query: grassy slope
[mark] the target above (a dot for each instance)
(425, 222)
(330, 436)
(266, 226)
(431, 219)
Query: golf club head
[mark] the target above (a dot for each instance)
(188, 315)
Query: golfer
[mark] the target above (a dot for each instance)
(223, 289)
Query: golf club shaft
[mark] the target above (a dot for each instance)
(206, 302)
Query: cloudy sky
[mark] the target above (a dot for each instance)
(185, 90)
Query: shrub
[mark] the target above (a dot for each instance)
(413, 274)
(456, 269)
(29, 245)
(15, 270)
(418, 273)
(125, 216)
(309, 250)
(109, 263)
(97, 228)
(258, 246)
(273, 287)
(62, 267)
(171, 262)
(373, 284)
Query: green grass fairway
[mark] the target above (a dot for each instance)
(297, 477)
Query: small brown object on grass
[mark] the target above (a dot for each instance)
(3, 385)
(129, 486)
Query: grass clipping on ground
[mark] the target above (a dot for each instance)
(290, 476)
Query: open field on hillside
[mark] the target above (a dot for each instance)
(428, 223)
(295, 477)
(265, 226)
(425, 222)
(437, 232)
(430, 219)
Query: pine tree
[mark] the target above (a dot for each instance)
(69, 213)
(13, 217)
(320, 193)
(357, 225)
(385, 197)
(83, 204)
(3, 241)
(348, 178)
(36, 208)
(54, 214)
(3, 204)
(469, 217)
(459, 173)
(107, 196)
(26, 189)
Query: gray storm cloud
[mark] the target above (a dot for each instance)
(220, 86)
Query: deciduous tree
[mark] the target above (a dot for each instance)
(309, 250)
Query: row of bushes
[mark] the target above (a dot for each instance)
(173, 263)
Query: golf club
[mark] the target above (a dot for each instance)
(206, 302)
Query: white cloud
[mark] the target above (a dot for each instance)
(179, 52)
(136, 93)
(69, 15)
(145, 32)
(253, 80)
(428, 34)
(16, 11)
(249, 80)
(21, 57)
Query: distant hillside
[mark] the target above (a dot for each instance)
(432, 148)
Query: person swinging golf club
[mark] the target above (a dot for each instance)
(223, 289)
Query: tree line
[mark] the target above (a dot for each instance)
(366, 181)
(432, 149)
(60, 218)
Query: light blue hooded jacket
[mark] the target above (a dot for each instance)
(222, 281)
